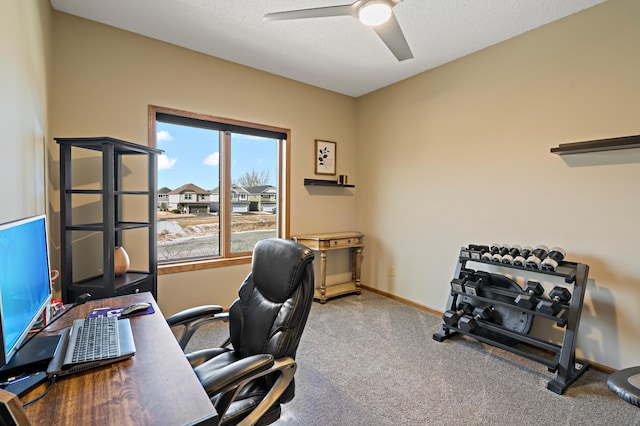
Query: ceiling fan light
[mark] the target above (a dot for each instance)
(375, 13)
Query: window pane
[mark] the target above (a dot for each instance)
(188, 192)
(253, 191)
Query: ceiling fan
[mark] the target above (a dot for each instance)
(376, 13)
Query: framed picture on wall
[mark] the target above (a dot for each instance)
(325, 157)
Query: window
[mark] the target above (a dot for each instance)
(213, 175)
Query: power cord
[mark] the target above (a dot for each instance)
(52, 381)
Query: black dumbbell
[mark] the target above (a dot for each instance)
(470, 323)
(551, 262)
(451, 317)
(513, 253)
(529, 299)
(457, 284)
(559, 296)
(503, 250)
(537, 256)
(477, 251)
(480, 279)
(479, 247)
(521, 259)
(493, 249)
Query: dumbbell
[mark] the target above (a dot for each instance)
(451, 317)
(502, 251)
(478, 247)
(470, 323)
(551, 262)
(479, 280)
(537, 256)
(529, 299)
(559, 296)
(457, 284)
(493, 249)
(521, 259)
(513, 253)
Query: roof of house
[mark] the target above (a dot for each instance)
(164, 190)
(189, 187)
(239, 189)
(260, 189)
(234, 188)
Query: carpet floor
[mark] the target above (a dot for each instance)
(369, 360)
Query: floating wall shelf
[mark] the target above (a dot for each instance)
(625, 142)
(323, 182)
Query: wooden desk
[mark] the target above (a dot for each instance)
(155, 387)
(335, 241)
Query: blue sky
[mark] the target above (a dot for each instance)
(191, 155)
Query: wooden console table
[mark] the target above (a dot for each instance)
(335, 241)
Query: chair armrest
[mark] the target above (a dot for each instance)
(199, 357)
(193, 314)
(230, 376)
(193, 318)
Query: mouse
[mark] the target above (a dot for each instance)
(134, 309)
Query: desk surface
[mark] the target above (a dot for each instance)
(156, 386)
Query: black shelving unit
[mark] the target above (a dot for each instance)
(111, 192)
(324, 182)
(561, 357)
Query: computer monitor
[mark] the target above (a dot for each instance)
(25, 291)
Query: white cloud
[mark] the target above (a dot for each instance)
(212, 159)
(163, 136)
(166, 163)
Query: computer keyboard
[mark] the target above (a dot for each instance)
(98, 338)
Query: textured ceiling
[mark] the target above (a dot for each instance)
(334, 53)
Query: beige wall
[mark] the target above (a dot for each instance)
(462, 156)
(105, 78)
(24, 61)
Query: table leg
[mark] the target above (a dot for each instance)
(323, 276)
(357, 269)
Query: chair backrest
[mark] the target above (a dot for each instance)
(274, 300)
(274, 303)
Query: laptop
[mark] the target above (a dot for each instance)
(63, 362)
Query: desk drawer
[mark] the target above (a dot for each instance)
(342, 242)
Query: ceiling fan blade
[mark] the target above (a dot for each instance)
(318, 12)
(391, 34)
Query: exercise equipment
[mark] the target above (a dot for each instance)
(497, 291)
(559, 296)
(502, 251)
(521, 259)
(469, 323)
(513, 253)
(451, 318)
(537, 256)
(458, 284)
(493, 249)
(510, 323)
(626, 384)
(529, 299)
(553, 259)
(476, 281)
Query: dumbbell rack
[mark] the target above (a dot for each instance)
(563, 361)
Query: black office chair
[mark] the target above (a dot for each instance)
(248, 382)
